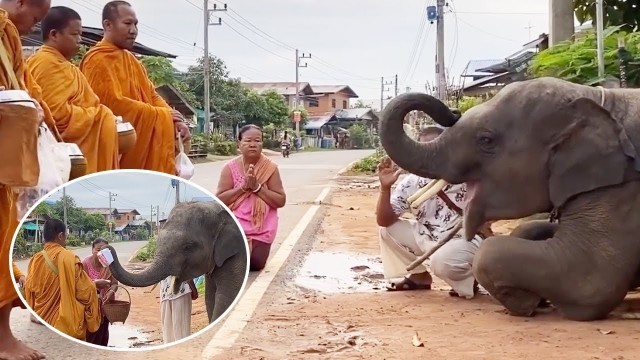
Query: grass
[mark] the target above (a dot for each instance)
(366, 166)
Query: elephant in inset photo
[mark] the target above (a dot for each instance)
(542, 145)
(197, 238)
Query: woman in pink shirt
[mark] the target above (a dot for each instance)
(250, 185)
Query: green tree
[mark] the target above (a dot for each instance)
(576, 61)
(160, 70)
(78, 58)
(615, 12)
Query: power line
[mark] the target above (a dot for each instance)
(484, 31)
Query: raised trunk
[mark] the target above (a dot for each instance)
(423, 159)
(151, 276)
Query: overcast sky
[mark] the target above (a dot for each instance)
(352, 42)
(134, 191)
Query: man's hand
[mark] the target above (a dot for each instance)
(22, 280)
(388, 173)
(102, 284)
(177, 116)
(183, 129)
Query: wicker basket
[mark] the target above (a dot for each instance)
(116, 310)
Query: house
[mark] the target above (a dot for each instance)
(331, 98)
(119, 217)
(287, 90)
(177, 101)
(488, 76)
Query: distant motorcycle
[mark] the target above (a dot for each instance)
(285, 150)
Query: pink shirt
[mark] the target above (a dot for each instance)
(270, 224)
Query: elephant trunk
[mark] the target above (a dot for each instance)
(229, 279)
(153, 275)
(423, 159)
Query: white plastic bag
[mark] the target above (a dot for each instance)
(54, 163)
(184, 166)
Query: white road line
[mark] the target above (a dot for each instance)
(238, 318)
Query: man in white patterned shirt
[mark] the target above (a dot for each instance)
(403, 240)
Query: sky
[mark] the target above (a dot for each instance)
(133, 191)
(351, 42)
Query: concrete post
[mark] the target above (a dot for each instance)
(561, 21)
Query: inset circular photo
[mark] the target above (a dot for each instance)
(129, 260)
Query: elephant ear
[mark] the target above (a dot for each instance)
(229, 240)
(590, 151)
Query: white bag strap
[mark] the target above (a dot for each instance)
(180, 144)
(13, 80)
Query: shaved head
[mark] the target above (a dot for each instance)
(25, 14)
(120, 24)
(110, 10)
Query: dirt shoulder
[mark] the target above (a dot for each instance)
(338, 308)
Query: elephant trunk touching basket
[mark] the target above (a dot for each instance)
(116, 310)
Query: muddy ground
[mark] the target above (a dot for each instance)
(145, 313)
(337, 308)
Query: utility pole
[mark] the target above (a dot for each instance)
(440, 71)
(396, 84)
(382, 90)
(64, 207)
(157, 215)
(561, 19)
(112, 197)
(207, 69)
(177, 192)
(297, 97)
(529, 27)
(600, 37)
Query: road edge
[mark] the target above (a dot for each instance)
(231, 327)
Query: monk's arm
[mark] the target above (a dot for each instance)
(104, 81)
(226, 192)
(87, 295)
(17, 274)
(272, 192)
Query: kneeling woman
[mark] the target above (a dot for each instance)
(250, 185)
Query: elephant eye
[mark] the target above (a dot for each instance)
(487, 143)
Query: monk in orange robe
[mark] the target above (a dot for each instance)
(122, 84)
(58, 289)
(16, 17)
(79, 116)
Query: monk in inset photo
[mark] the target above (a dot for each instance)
(79, 116)
(122, 84)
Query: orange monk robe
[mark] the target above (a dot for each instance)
(67, 301)
(17, 274)
(122, 84)
(10, 39)
(76, 109)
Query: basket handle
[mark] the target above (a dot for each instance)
(106, 297)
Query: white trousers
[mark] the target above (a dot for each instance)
(175, 316)
(451, 263)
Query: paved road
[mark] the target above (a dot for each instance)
(304, 175)
(124, 249)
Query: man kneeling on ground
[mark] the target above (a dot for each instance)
(403, 240)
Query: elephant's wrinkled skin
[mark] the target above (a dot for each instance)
(539, 145)
(197, 238)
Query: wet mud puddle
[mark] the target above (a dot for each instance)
(343, 272)
(126, 336)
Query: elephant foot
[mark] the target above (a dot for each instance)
(518, 302)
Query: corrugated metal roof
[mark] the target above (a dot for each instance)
(356, 113)
(316, 122)
(334, 89)
(474, 65)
